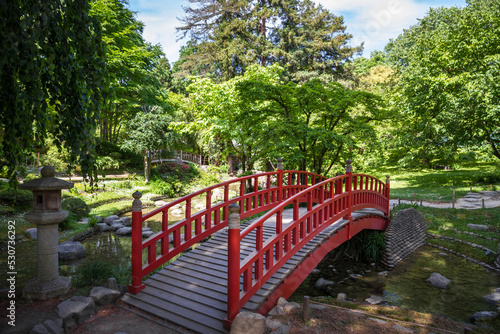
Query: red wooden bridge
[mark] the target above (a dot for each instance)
(249, 266)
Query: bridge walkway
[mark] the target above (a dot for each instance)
(192, 290)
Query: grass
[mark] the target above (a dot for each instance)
(446, 222)
(438, 185)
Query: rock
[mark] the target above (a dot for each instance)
(69, 251)
(115, 227)
(39, 329)
(54, 326)
(124, 231)
(109, 220)
(111, 284)
(160, 203)
(477, 227)
(248, 323)
(125, 221)
(383, 273)
(98, 219)
(103, 227)
(176, 212)
(75, 310)
(400, 328)
(83, 221)
(482, 315)
(104, 296)
(355, 276)
(493, 297)
(290, 307)
(32, 232)
(176, 206)
(316, 271)
(123, 289)
(278, 309)
(380, 321)
(322, 283)
(278, 325)
(318, 307)
(147, 234)
(200, 206)
(438, 280)
(375, 300)
(281, 301)
(341, 297)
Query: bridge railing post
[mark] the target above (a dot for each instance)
(387, 193)
(280, 180)
(233, 265)
(137, 284)
(348, 190)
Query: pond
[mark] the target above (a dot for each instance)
(406, 285)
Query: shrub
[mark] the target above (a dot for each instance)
(14, 196)
(122, 273)
(76, 206)
(125, 158)
(93, 273)
(107, 163)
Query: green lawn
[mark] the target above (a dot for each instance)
(438, 185)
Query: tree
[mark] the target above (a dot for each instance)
(312, 125)
(130, 62)
(51, 79)
(307, 40)
(149, 131)
(449, 66)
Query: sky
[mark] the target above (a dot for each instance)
(373, 22)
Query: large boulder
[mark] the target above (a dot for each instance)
(248, 323)
(104, 296)
(438, 280)
(482, 315)
(115, 226)
(103, 227)
(125, 221)
(70, 251)
(75, 311)
(493, 297)
(278, 325)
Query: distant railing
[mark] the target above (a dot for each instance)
(184, 156)
(266, 190)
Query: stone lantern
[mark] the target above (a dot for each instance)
(47, 214)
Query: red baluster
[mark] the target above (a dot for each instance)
(233, 266)
(137, 276)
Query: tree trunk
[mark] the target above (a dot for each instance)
(147, 167)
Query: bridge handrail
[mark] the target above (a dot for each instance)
(252, 201)
(337, 198)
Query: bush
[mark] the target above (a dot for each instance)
(76, 206)
(14, 196)
(69, 223)
(125, 158)
(107, 163)
(93, 273)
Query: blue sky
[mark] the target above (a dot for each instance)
(373, 22)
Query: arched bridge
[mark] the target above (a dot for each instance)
(247, 266)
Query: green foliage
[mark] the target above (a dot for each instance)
(368, 246)
(14, 196)
(448, 67)
(51, 79)
(122, 273)
(126, 158)
(107, 163)
(93, 273)
(69, 223)
(76, 206)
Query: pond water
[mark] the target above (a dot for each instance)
(406, 285)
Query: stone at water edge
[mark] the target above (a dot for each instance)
(69, 251)
(75, 310)
(482, 315)
(112, 284)
(147, 234)
(160, 203)
(103, 227)
(109, 220)
(124, 231)
(125, 221)
(493, 297)
(114, 227)
(322, 283)
(248, 323)
(438, 280)
(375, 300)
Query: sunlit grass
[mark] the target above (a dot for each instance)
(438, 185)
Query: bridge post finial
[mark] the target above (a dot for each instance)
(387, 179)
(348, 167)
(234, 216)
(280, 164)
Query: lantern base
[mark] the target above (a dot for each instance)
(47, 290)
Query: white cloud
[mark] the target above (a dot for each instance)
(375, 22)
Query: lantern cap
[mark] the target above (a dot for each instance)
(46, 182)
